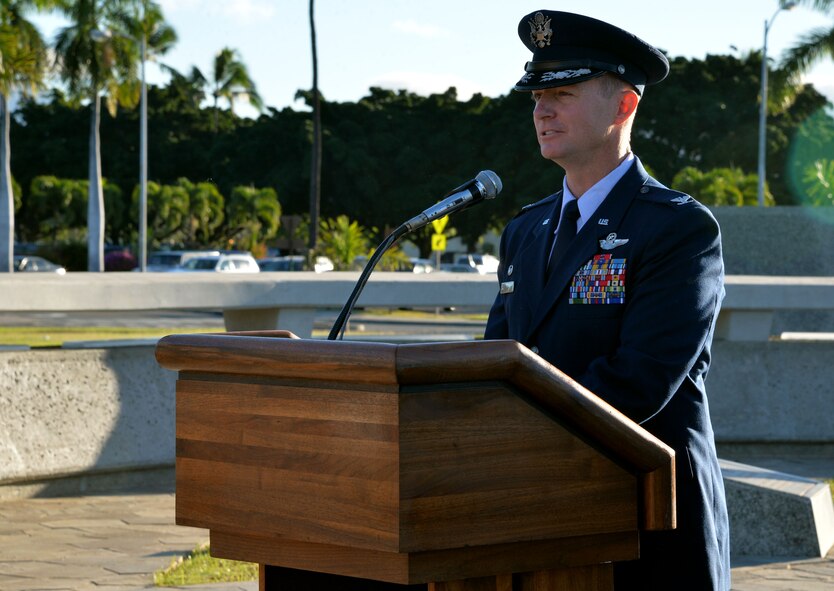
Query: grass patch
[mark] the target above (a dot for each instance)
(51, 336)
(422, 314)
(199, 568)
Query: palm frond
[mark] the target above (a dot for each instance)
(811, 48)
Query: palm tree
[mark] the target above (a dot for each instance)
(315, 161)
(89, 63)
(23, 61)
(815, 45)
(230, 80)
(143, 22)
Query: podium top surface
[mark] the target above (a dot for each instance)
(280, 355)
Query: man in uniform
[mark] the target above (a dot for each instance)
(617, 280)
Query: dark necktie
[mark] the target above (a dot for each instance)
(565, 234)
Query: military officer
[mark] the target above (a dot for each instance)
(617, 280)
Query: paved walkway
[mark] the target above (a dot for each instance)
(115, 542)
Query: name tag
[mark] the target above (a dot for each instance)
(507, 287)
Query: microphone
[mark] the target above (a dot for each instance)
(486, 185)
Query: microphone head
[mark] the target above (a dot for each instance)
(491, 183)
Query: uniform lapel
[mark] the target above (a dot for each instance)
(533, 256)
(586, 243)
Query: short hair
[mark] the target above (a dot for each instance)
(610, 84)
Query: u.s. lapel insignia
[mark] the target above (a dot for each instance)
(507, 287)
(603, 221)
(682, 200)
(540, 31)
(611, 241)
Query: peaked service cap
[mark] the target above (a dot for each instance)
(570, 48)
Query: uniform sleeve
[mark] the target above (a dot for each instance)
(675, 294)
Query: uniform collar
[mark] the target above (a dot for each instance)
(593, 197)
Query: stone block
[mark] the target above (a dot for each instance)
(777, 514)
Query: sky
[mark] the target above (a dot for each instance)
(427, 46)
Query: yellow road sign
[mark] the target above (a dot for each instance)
(439, 225)
(438, 242)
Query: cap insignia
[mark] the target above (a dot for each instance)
(540, 31)
(563, 74)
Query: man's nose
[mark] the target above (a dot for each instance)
(543, 108)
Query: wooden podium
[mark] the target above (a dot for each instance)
(450, 466)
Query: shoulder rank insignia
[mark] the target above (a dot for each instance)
(540, 31)
(611, 241)
(683, 199)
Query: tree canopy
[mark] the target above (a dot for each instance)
(392, 153)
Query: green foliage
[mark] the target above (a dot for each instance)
(343, 240)
(229, 81)
(813, 46)
(392, 153)
(55, 336)
(394, 259)
(819, 181)
(17, 193)
(56, 206)
(206, 211)
(23, 51)
(720, 186)
(254, 216)
(168, 213)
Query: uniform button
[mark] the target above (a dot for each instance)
(535, 350)
(644, 190)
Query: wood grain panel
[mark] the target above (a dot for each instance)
(338, 503)
(425, 567)
(324, 558)
(317, 464)
(243, 354)
(480, 466)
(573, 405)
(311, 400)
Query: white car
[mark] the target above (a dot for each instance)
(27, 264)
(221, 263)
(482, 263)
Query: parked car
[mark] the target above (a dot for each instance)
(457, 268)
(322, 264)
(168, 260)
(221, 263)
(28, 264)
(482, 263)
(417, 265)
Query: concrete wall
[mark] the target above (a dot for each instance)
(773, 392)
(781, 241)
(98, 411)
(777, 240)
(68, 412)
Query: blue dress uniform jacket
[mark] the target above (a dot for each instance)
(642, 344)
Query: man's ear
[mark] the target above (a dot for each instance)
(627, 106)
